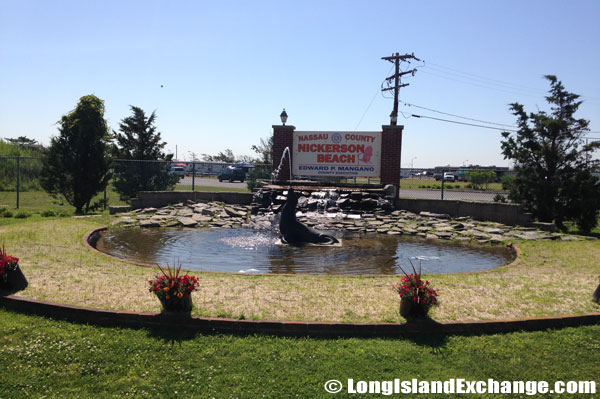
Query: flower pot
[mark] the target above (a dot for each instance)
(413, 310)
(13, 280)
(177, 305)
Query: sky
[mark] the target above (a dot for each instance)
(219, 73)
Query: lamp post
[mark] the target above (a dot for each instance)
(283, 117)
(393, 118)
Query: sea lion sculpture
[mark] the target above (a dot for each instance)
(294, 232)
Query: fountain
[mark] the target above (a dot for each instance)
(354, 216)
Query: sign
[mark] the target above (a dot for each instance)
(337, 154)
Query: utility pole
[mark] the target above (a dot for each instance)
(396, 59)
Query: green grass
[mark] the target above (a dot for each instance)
(39, 201)
(417, 184)
(44, 358)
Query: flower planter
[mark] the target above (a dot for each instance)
(13, 280)
(177, 305)
(413, 310)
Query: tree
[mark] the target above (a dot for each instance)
(77, 163)
(25, 142)
(479, 178)
(554, 179)
(138, 141)
(264, 150)
(223, 156)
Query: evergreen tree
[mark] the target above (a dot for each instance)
(554, 178)
(139, 141)
(77, 163)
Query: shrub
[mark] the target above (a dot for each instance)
(499, 198)
(22, 215)
(48, 213)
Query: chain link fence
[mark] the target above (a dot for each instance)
(20, 181)
(20, 186)
(487, 184)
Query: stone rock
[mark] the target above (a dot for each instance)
(201, 218)
(122, 220)
(376, 223)
(187, 221)
(207, 212)
(493, 230)
(235, 213)
(480, 235)
(530, 235)
(443, 234)
(149, 223)
(434, 215)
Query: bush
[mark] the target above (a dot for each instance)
(6, 213)
(254, 174)
(48, 213)
(499, 198)
(22, 215)
(479, 178)
(507, 182)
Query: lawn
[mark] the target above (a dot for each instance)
(37, 201)
(552, 278)
(44, 358)
(429, 183)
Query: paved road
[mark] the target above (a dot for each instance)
(204, 181)
(464, 195)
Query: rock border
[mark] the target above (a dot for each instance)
(287, 328)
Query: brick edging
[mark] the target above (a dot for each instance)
(286, 328)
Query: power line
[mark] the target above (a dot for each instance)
(480, 85)
(483, 79)
(371, 103)
(463, 123)
(456, 116)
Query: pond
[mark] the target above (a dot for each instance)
(258, 251)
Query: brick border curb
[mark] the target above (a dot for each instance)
(286, 328)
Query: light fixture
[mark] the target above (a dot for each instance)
(283, 117)
(393, 118)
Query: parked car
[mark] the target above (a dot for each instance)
(449, 177)
(232, 174)
(178, 170)
(437, 176)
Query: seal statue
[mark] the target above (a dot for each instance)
(295, 233)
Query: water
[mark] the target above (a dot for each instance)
(276, 172)
(251, 251)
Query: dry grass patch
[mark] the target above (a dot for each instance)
(553, 278)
